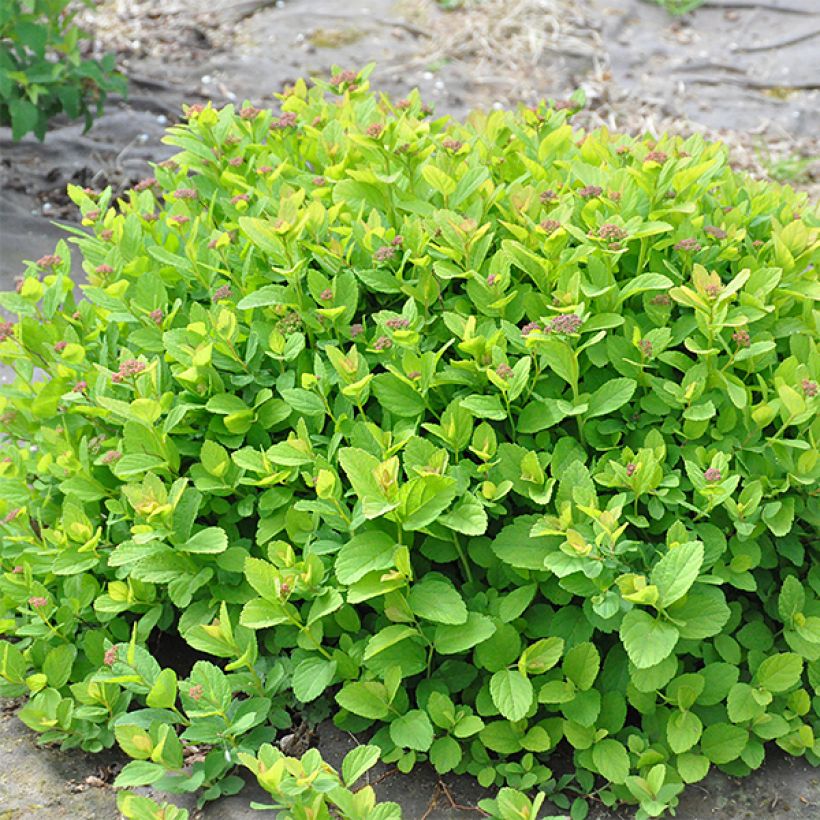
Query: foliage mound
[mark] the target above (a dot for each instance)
(498, 439)
(42, 70)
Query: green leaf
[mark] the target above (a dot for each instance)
(701, 614)
(423, 499)
(434, 598)
(367, 552)
(468, 517)
(514, 604)
(134, 741)
(263, 577)
(24, 118)
(445, 754)
(13, 665)
(611, 760)
(357, 762)
(512, 693)
(450, 640)
(311, 677)
(266, 296)
(58, 663)
(779, 516)
(211, 540)
(397, 396)
(675, 573)
(610, 396)
(780, 673)
(561, 359)
(412, 731)
(304, 402)
(645, 282)
(163, 693)
(484, 407)
(387, 637)
(683, 730)
(259, 613)
(742, 704)
(139, 773)
(515, 546)
(360, 468)
(791, 600)
(647, 640)
(581, 665)
(722, 742)
(216, 691)
(438, 179)
(365, 698)
(692, 767)
(542, 655)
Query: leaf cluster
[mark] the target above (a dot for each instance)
(494, 440)
(42, 70)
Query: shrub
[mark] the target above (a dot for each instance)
(498, 439)
(42, 72)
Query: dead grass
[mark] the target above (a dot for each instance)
(506, 42)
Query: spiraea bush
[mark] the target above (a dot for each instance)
(42, 70)
(495, 440)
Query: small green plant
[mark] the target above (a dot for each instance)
(494, 439)
(42, 72)
(789, 168)
(678, 7)
(137, 807)
(311, 788)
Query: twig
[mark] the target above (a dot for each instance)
(758, 6)
(258, 5)
(432, 804)
(708, 66)
(782, 44)
(762, 86)
(458, 806)
(384, 776)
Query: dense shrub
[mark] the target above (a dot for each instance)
(42, 71)
(496, 438)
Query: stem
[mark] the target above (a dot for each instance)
(463, 558)
(305, 631)
(342, 512)
(257, 680)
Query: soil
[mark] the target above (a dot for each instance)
(746, 72)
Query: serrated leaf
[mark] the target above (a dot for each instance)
(647, 640)
(610, 396)
(779, 673)
(611, 760)
(412, 731)
(451, 640)
(512, 693)
(675, 573)
(311, 677)
(436, 599)
(357, 762)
